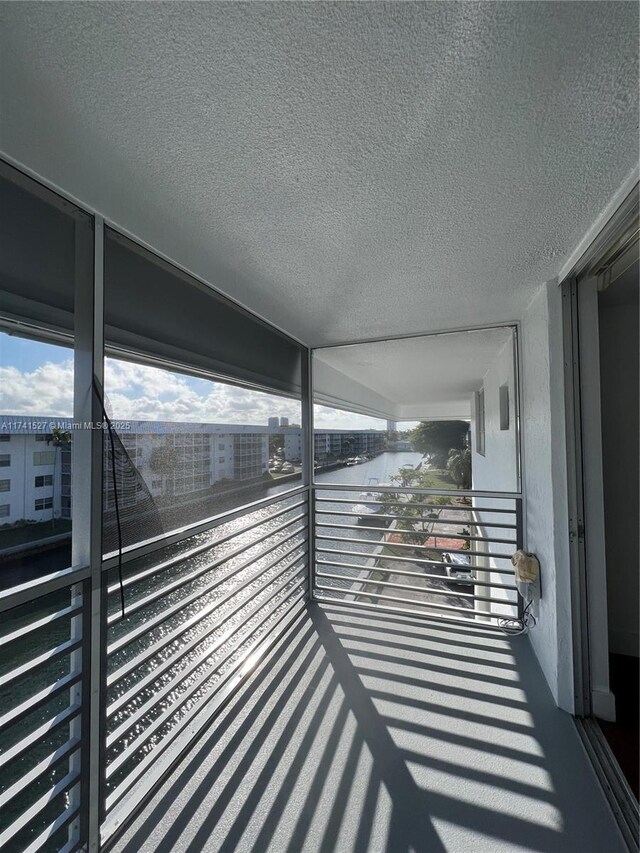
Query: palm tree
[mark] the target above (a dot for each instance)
(59, 438)
(459, 467)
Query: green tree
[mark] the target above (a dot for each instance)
(59, 438)
(348, 444)
(459, 467)
(276, 443)
(163, 460)
(419, 512)
(438, 438)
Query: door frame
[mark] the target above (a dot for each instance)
(613, 239)
(586, 510)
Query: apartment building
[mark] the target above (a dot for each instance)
(172, 459)
(35, 475)
(335, 442)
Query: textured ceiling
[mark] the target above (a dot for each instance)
(433, 376)
(347, 170)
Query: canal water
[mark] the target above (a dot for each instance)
(368, 474)
(381, 468)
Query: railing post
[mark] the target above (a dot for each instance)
(308, 462)
(519, 544)
(87, 526)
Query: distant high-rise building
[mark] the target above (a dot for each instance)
(284, 422)
(392, 426)
(273, 422)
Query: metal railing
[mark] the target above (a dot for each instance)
(442, 554)
(43, 650)
(198, 612)
(202, 605)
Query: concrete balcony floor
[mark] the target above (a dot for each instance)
(370, 732)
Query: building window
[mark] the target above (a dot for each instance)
(480, 422)
(4, 436)
(44, 457)
(221, 445)
(221, 459)
(5, 485)
(44, 480)
(5, 510)
(504, 406)
(41, 437)
(5, 460)
(44, 503)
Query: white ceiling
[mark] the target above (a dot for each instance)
(424, 377)
(347, 170)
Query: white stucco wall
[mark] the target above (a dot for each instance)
(545, 486)
(496, 470)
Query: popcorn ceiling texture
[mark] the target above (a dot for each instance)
(345, 170)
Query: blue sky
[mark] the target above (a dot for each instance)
(37, 379)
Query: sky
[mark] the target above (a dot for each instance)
(37, 379)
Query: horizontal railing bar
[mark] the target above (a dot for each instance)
(135, 745)
(227, 683)
(154, 570)
(162, 592)
(157, 620)
(417, 505)
(40, 623)
(402, 611)
(38, 699)
(31, 590)
(152, 676)
(403, 573)
(428, 604)
(40, 804)
(181, 738)
(39, 770)
(193, 665)
(38, 734)
(133, 552)
(422, 561)
(413, 547)
(225, 688)
(416, 518)
(141, 659)
(433, 535)
(429, 590)
(37, 663)
(62, 820)
(413, 490)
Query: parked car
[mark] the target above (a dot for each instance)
(461, 568)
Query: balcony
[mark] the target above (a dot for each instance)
(254, 259)
(365, 731)
(390, 713)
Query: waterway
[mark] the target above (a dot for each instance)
(380, 468)
(377, 471)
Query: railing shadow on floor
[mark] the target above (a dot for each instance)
(371, 732)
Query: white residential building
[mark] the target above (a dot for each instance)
(35, 475)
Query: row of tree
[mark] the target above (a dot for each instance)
(446, 444)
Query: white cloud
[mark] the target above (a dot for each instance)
(142, 392)
(47, 390)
